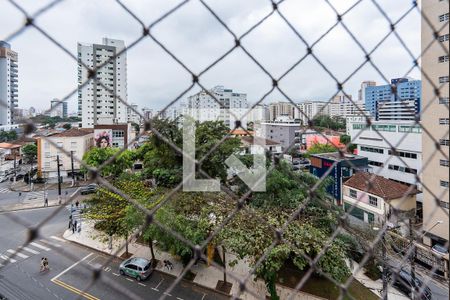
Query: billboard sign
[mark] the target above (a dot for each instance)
(103, 138)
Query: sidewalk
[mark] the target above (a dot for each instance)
(205, 276)
(22, 206)
(376, 286)
(21, 186)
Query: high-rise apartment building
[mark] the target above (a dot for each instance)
(8, 83)
(203, 107)
(281, 109)
(343, 106)
(435, 169)
(132, 115)
(362, 90)
(98, 100)
(407, 89)
(58, 109)
(404, 110)
(307, 110)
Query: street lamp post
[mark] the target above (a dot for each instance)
(73, 173)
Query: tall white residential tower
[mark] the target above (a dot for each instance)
(8, 83)
(97, 105)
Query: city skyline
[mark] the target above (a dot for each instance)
(155, 79)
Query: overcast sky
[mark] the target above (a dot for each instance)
(197, 39)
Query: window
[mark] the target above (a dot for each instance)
(444, 183)
(443, 204)
(59, 144)
(403, 154)
(443, 59)
(118, 133)
(47, 164)
(373, 150)
(376, 163)
(390, 128)
(359, 126)
(46, 145)
(443, 162)
(402, 169)
(353, 194)
(443, 121)
(443, 79)
(443, 38)
(373, 201)
(443, 18)
(411, 129)
(443, 142)
(443, 100)
(73, 144)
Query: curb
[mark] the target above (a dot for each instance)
(26, 208)
(159, 271)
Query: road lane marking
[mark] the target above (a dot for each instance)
(40, 246)
(29, 250)
(156, 287)
(50, 243)
(58, 239)
(72, 266)
(129, 279)
(141, 284)
(165, 293)
(115, 274)
(204, 295)
(17, 253)
(180, 298)
(4, 257)
(74, 290)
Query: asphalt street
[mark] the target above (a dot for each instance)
(70, 275)
(8, 197)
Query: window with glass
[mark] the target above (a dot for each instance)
(443, 79)
(443, 59)
(443, 121)
(443, 100)
(118, 133)
(373, 201)
(443, 142)
(353, 194)
(444, 183)
(388, 128)
(372, 149)
(359, 126)
(59, 144)
(443, 163)
(410, 129)
(403, 154)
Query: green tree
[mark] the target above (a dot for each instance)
(67, 126)
(346, 140)
(6, 136)
(30, 152)
(97, 156)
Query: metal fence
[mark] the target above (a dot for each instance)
(30, 21)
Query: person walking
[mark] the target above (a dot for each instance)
(70, 221)
(77, 203)
(73, 227)
(46, 202)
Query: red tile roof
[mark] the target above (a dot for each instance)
(73, 132)
(379, 186)
(258, 140)
(9, 146)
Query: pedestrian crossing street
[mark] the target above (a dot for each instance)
(34, 248)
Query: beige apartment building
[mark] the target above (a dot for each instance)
(435, 119)
(75, 140)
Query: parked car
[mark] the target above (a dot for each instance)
(403, 281)
(439, 249)
(89, 189)
(137, 267)
(3, 179)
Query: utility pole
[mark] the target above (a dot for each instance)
(15, 165)
(412, 259)
(73, 173)
(384, 275)
(59, 179)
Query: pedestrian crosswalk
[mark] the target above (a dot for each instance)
(5, 190)
(33, 248)
(34, 196)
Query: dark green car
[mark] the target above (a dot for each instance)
(137, 267)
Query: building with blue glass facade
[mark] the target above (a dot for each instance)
(407, 89)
